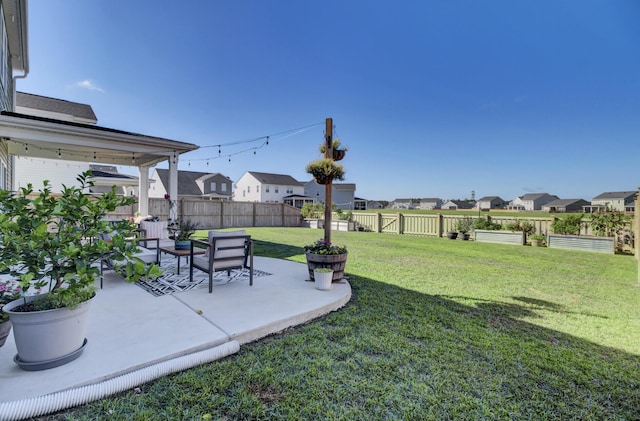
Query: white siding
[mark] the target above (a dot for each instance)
(36, 170)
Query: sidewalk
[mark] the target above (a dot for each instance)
(131, 332)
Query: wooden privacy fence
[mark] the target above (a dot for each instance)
(213, 214)
(439, 224)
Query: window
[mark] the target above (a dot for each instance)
(223, 187)
(248, 189)
(289, 190)
(277, 189)
(243, 193)
(213, 186)
(258, 188)
(266, 189)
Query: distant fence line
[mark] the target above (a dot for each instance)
(215, 214)
(439, 224)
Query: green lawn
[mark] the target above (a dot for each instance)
(436, 329)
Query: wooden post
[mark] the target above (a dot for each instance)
(328, 153)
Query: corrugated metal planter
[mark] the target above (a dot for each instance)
(500, 237)
(340, 225)
(582, 242)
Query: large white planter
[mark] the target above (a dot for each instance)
(323, 280)
(48, 338)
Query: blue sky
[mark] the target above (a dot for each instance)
(433, 98)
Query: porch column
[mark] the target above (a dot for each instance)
(143, 190)
(173, 186)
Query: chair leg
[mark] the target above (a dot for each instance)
(210, 281)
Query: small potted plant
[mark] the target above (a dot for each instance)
(323, 278)
(323, 254)
(182, 232)
(537, 240)
(51, 246)
(9, 291)
(463, 226)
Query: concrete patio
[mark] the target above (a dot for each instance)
(134, 337)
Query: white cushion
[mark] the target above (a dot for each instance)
(213, 234)
(155, 229)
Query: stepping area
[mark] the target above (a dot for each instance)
(131, 330)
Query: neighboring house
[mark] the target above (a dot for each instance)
(14, 56)
(490, 202)
(297, 201)
(106, 176)
(192, 184)
(623, 201)
(375, 204)
(58, 172)
(402, 204)
(430, 203)
(565, 205)
(457, 205)
(342, 194)
(531, 201)
(265, 187)
(359, 203)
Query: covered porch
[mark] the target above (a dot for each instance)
(39, 137)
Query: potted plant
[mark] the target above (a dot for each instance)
(9, 291)
(338, 153)
(323, 278)
(51, 246)
(537, 240)
(463, 226)
(323, 254)
(324, 170)
(182, 232)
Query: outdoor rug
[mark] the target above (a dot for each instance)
(170, 282)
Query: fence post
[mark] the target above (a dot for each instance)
(400, 223)
(439, 224)
(379, 223)
(221, 214)
(253, 216)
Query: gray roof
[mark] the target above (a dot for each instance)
(430, 199)
(37, 102)
(565, 202)
(489, 198)
(276, 179)
(616, 195)
(187, 185)
(534, 196)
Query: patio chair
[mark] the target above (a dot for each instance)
(225, 251)
(156, 229)
(150, 253)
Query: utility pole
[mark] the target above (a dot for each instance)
(328, 154)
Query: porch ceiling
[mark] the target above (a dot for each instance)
(56, 139)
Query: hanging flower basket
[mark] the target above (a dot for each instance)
(338, 154)
(324, 170)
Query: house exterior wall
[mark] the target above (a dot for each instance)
(430, 204)
(341, 195)
(6, 101)
(250, 189)
(156, 188)
(58, 172)
(6, 79)
(615, 204)
(216, 184)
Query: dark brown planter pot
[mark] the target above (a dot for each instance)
(338, 155)
(335, 262)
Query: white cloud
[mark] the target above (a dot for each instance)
(87, 84)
